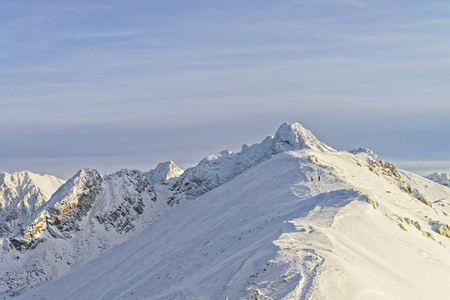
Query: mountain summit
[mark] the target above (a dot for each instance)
(288, 218)
(291, 137)
(164, 171)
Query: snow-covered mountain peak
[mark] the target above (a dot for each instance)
(164, 171)
(215, 170)
(21, 193)
(60, 215)
(26, 180)
(441, 178)
(295, 137)
(84, 179)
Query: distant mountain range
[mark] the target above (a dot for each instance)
(443, 178)
(288, 218)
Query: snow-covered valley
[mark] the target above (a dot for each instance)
(289, 218)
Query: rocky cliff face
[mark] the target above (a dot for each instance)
(388, 169)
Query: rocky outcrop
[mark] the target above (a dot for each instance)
(441, 228)
(413, 192)
(385, 168)
(379, 165)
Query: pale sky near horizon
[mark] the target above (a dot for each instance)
(127, 84)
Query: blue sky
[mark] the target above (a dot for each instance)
(114, 84)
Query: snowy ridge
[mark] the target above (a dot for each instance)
(215, 170)
(89, 208)
(273, 233)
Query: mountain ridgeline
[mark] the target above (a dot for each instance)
(103, 212)
(49, 227)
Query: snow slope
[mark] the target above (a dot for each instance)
(273, 230)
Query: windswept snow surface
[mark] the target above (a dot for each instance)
(365, 230)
